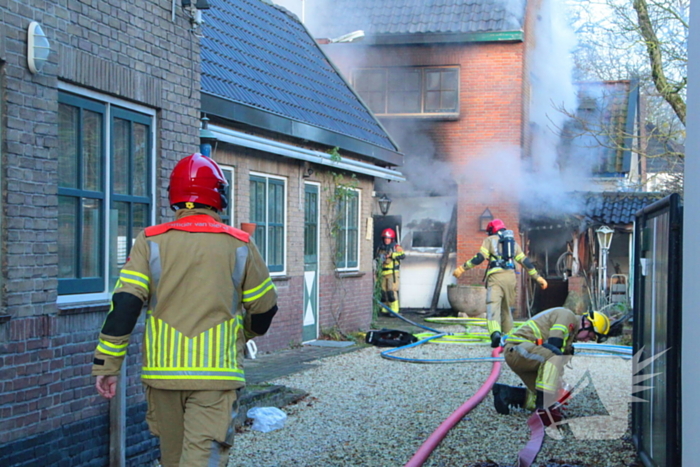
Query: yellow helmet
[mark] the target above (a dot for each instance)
(600, 323)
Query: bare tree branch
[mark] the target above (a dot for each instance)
(653, 45)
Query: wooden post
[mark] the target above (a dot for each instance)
(117, 423)
(448, 239)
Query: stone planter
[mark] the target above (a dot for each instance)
(467, 300)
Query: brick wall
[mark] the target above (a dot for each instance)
(50, 413)
(344, 302)
(133, 51)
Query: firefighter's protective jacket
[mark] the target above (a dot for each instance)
(202, 282)
(489, 250)
(390, 257)
(559, 325)
(558, 322)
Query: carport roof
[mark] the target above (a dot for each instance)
(613, 208)
(595, 208)
(260, 66)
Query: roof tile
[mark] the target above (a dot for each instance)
(260, 55)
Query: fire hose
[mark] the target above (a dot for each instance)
(528, 454)
(433, 440)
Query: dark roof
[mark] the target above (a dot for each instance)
(613, 208)
(259, 56)
(332, 18)
(592, 208)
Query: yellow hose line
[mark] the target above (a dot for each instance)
(463, 338)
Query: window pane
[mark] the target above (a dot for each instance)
(92, 236)
(227, 214)
(67, 241)
(120, 157)
(404, 91)
(441, 90)
(371, 86)
(120, 230)
(275, 217)
(276, 214)
(310, 224)
(68, 146)
(449, 101)
(92, 150)
(140, 174)
(257, 213)
(140, 221)
(353, 228)
(450, 80)
(432, 101)
(276, 255)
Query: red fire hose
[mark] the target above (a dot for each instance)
(525, 457)
(439, 434)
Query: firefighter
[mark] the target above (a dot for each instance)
(502, 251)
(389, 255)
(537, 352)
(206, 290)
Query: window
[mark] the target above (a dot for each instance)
(409, 90)
(227, 214)
(105, 162)
(267, 211)
(348, 252)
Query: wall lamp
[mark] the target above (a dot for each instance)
(384, 204)
(38, 48)
(484, 219)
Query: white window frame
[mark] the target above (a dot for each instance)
(285, 182)
(359, 222)
(231, 196)
(109, 101)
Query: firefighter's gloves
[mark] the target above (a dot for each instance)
(551, 416)
(458, 272)
(553, 349)
(542, 282)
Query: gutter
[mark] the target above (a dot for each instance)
(259, 118)
(287, 150)
(442, 38)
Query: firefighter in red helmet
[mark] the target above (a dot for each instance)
(389, 255)
(207, 290)
(502, 252)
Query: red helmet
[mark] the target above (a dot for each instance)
(198, 179)
(494, 226)
(389, 233)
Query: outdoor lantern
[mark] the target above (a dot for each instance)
(206, 137)
(484, 219)
(605, 235)
(38, 48)
(384, 204)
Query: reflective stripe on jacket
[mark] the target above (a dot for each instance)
(556, 322)
(201, 281)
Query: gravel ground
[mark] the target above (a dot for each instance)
(365, 410)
